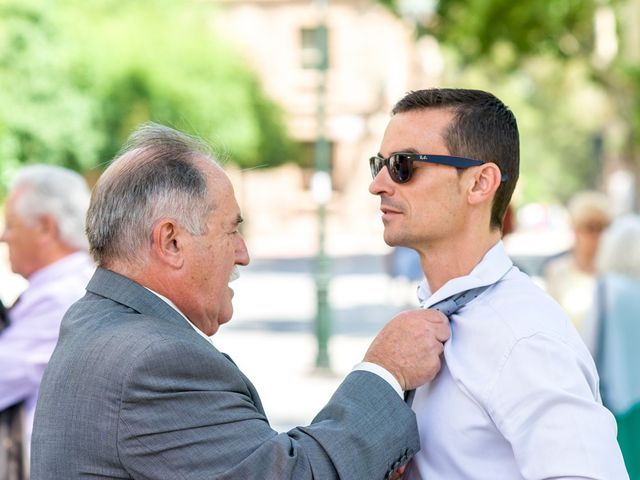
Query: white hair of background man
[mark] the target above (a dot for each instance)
(619, 250)
(55, 191)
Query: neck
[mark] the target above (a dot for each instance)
(52, 255)
(584, 261)
(156, 277)
(454, 258)
(142, 272)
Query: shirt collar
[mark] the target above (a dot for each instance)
(173, 305)
(493, 266)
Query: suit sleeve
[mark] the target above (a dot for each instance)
(188, 413)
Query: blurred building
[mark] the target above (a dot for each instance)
(373, 59)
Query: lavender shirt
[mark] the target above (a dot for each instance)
(28, 342)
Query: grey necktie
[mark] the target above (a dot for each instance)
(452, 304)
(448, 307)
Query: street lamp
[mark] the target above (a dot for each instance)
(321, 189)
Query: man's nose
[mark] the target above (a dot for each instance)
(242, 254)
(382, 183)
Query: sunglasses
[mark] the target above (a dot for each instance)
(400, 165)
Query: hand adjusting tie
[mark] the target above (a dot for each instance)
(448, 307)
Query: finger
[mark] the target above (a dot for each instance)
(397, 475)
(442, 333)
(435, 316)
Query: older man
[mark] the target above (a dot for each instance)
(44, 230)
(136, 387)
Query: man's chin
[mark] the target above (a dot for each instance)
(391, 240)
(225, 316)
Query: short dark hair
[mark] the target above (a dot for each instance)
(483, 128)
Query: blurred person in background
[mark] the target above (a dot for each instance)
(44, 232)
(136, 387)
(517, 395)
(404, 270)
(570, 277)
(617, 332)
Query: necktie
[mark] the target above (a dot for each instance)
(452, 304)
(448, 307)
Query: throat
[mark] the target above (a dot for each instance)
(453, 260)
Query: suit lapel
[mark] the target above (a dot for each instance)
(125, 291)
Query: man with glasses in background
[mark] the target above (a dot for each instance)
(517, 395)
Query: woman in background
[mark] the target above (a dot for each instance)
(570, 278)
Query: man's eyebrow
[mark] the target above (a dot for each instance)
(404, 150)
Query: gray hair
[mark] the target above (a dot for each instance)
(55, 191)
(619, 250)
(155, 176)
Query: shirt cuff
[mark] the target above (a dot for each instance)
(383, 373)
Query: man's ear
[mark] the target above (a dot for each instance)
(167, 243)
(48, 227)
(486, 180)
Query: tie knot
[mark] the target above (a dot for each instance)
(452, 304)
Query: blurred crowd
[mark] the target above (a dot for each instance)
(598, 284)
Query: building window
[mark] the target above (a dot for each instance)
(314, 48)
(308, 160)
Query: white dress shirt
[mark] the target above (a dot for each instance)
(517, 396)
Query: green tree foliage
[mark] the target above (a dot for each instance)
(532, 27)
(77, 77)
(43, 116)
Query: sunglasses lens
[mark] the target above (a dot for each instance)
(400, 168)
(376, 164)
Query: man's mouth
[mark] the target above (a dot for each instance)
(389, 212)
(385, 210)
(235, 274)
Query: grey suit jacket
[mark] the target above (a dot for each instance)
(132, 391)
